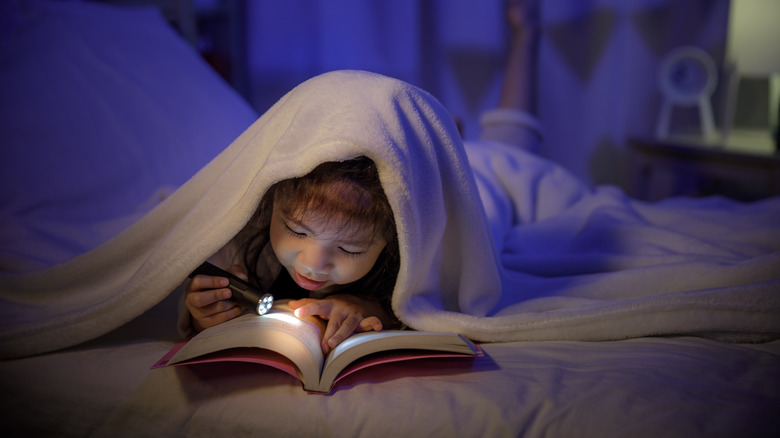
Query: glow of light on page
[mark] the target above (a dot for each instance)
(284, 318)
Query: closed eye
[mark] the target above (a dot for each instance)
(293, 232)
(352, 253)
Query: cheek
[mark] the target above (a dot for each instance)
(351, 270)
(281, 245)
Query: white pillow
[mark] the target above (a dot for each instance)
(103, 111)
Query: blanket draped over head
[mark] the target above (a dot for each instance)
(551, 259)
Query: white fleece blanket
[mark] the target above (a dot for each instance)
(552, 259)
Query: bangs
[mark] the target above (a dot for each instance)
(343, 205)
(347, 195)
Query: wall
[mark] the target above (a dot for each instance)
(598, 60)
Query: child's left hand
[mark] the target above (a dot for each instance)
(346, 314)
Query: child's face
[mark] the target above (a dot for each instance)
(323, 256)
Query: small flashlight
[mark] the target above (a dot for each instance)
(259, 301)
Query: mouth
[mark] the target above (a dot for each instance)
(307, 283)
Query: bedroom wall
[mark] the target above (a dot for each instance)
(598, 87)
(597, 65)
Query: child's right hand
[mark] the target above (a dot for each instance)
(208, 299)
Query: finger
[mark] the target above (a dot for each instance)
(209, 297)
(205, 321)
(370, 323)
(239, 272)
(294, 304)
(203, 282)
(221, 308)
(321, 308)
(215, 309)
(336, 332)
(197, 299)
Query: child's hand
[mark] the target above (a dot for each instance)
(208, 299)
(346, 314)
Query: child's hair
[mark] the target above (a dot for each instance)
(346, 191)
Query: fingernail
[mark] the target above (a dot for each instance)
(226, 293)
(333, 342)
(223, 282)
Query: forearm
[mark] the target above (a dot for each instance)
(518, 90)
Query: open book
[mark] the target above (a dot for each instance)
(283, 341)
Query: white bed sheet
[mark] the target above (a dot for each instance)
(646, 387)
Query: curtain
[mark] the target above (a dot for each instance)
(597, 65)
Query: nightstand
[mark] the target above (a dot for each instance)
(746, 167)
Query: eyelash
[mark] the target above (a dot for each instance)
(343, 251)
(293, 232)
(351, 253)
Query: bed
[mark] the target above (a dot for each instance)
(106, 112)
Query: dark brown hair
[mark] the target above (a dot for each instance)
(346, 191)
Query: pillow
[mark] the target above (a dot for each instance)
(104, 110)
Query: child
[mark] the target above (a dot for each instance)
(326, 240)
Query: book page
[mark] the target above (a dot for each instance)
(278, 330)
(362, 344)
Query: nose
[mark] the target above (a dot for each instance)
(315, 260)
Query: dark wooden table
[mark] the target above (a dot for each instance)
(744, 167)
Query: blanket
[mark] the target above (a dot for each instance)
(495, 244)
(591, 263)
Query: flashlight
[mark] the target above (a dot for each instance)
(259, 301)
